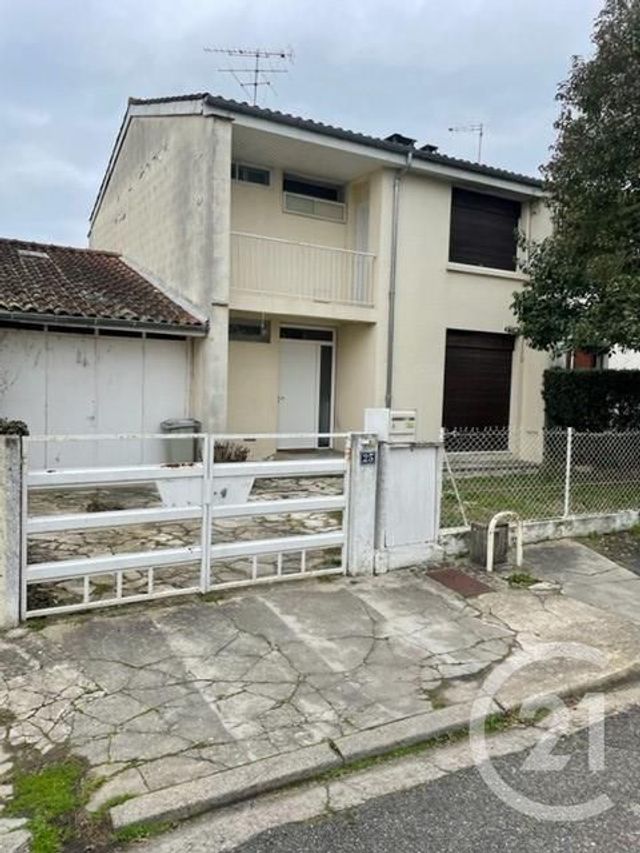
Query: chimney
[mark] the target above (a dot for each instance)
(399, 139)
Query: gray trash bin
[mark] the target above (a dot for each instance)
(181, 450)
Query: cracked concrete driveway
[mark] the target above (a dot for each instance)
(154, 696)
(160, 695)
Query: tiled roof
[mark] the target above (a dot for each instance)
(83, 284)
(243, 108)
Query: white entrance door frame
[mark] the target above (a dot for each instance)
(299, 387)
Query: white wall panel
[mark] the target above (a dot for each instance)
(71, 397)
(23, 383)
(166, 389)
(62, 384)
(120, 400)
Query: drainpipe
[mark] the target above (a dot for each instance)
(391, 329)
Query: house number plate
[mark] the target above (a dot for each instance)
(367, 457)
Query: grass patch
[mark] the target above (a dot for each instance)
(101, 812)
(538, 493)
(400, 752)
(493, 724)
(521, 580)
(498, 722)
(48, 797)
(36, 624)
(52, 793)
(140, 831)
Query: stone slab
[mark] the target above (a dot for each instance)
(229, 786)
(15, 842)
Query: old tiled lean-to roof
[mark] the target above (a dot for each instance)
(432, 156)
(42, 281)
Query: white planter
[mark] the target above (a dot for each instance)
(226, 490)
(231, 490)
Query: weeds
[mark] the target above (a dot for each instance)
(49, 797)
(140, 831)
(521, 580)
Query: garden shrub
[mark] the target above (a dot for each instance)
(230, 451)
(592, 400)
(9, 427)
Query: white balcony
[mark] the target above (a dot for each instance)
(275, 271)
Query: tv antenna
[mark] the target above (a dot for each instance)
(252, 78)
(471, 128)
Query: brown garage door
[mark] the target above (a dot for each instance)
(477, 380)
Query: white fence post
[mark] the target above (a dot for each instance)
(361, 513)
(10, 529)
(567, 474)
(208, 445)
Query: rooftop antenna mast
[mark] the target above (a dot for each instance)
(471, 128)
(252, 78)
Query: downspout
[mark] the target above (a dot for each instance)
(393, 263)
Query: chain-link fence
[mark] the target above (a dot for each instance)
(539, 475)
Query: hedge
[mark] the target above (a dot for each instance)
(8, 427)
(592, 400)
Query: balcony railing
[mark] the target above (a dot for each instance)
(276, 267)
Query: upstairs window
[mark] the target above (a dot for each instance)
(483, 230)
(313, 198)
(250, 174)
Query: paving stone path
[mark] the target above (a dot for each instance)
(148, 537)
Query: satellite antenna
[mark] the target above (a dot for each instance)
(252, 78)
(471, 128)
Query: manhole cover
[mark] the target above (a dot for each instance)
(460, 582)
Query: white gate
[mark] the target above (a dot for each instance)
(95, 537)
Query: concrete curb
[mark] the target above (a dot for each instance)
(226, 787)
(188, 799)
(406, 732)
(626, 675)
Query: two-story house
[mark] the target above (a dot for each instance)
(338, 271)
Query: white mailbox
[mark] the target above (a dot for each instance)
(393, 425)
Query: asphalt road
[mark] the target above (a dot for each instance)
(459, 813)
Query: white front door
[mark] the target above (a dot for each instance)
(299, 396)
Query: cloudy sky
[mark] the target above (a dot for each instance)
(417, 67)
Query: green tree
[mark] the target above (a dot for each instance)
(584, 281)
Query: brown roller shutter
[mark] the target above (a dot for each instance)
(483, 230)
(477, 380)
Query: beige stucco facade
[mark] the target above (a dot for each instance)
(432, 296)
(435, 295)
(166, 206)
(233, 249)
